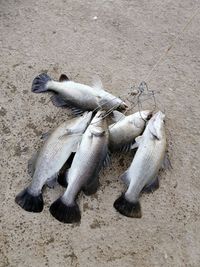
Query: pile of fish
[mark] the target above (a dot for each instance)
(75, 152)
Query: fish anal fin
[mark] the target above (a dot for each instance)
(91, 187)
(62, 178)
(63, 78)
(58, 101)
(152, 186)
(52, 181)
(125, 178)
(63, 174)
(166, 165)
(44, 136)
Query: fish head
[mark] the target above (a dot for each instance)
(156, 125)
(98, 125)
(111, 102)
(84, 121)
(140, 118)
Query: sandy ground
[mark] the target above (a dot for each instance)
(121, 46)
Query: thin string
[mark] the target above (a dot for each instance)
(147, 78)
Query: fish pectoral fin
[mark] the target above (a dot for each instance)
(63, 78)
(154, 132)
(58, 101)
(67, 133)
(91, 186)
(125, 178)
(117, 116)
(77, 111)
(31, 163)
(126, 148)
(166, 165)
(151, 187)
(134, 148)
(138, 140)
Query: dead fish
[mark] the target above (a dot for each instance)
(53, 155)
(142, 174)
(84, 171)
(79, 97)
(123, 132)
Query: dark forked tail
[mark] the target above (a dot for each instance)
(65, 213)
(40, 82)
(29, 202)
(127, 208)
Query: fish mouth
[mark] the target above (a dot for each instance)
(122, 106)
(159, 115)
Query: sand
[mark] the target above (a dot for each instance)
(120, 41)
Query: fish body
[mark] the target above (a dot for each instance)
(84, 170)
(76, 95)
(145, 166)
(51, 158)
(123, 133)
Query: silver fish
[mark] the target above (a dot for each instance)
(122, 134)
(84, 171)
(78, 96)
(53, 155)
(142, 174)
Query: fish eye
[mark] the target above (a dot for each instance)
(149, 117)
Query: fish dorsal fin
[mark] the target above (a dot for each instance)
(97, 83)
(117, 116)
(63, 78)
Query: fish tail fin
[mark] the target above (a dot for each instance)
(127, 208)
(29, 202)
(40, 82)
(65, 213)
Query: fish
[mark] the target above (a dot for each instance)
(84, 171)
(49, 161)
(79, 97)
(143, 171)
(123, 132)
